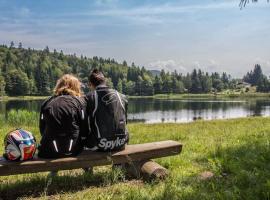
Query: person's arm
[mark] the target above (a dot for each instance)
(84, 130)
(90, 141)
(42, 123)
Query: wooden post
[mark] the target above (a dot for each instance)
(154, 170)
(147, 169)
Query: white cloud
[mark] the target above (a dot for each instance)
(210, 65)
(148, 13)
(161, 9)
(167, 65)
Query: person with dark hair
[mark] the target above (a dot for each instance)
(107, 115)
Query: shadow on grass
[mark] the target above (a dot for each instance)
(37, 185)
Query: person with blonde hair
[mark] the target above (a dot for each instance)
(62, 120)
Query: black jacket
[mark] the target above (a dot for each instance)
(63, 126)
(107, 118)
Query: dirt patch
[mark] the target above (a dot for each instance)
(206, 175)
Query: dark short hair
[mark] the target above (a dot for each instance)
(96, 77)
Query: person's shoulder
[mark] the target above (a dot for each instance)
(123, 96)
(89, 95)
(48, 99)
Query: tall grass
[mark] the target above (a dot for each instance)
(18, 118)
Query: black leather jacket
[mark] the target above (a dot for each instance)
(107, 117)
(63, 126)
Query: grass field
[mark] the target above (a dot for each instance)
(236, 152)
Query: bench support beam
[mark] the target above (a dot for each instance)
(147, 169)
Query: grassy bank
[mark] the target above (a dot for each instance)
(236, 152)
(217, 96)
(8, 98)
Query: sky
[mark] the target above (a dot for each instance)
(214, 35)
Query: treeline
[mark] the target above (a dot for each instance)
(257, 78)
(34, 72)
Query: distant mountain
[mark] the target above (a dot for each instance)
(155, 72)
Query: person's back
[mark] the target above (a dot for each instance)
(62, 121)
(107, 112)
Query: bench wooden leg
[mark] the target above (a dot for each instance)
(146, 169)
(89, 170)
(53, 173)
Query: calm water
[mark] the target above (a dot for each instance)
(153, 110)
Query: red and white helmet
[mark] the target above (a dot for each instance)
(20, 145)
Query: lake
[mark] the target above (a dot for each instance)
(163, 110)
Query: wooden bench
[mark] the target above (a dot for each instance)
(136, 159)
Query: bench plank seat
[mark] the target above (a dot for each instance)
(132, 153)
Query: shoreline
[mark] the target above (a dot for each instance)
(162, 96)
(204, 96)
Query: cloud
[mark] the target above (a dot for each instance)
(149, 14)
(161, 9)
(167, 65)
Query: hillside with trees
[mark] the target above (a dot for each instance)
(34, 72)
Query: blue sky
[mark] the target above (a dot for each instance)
(214, 35)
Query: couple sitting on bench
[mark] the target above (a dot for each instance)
(70, 122)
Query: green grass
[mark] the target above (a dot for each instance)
(236, 151)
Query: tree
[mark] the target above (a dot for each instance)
(17, 83)
(255, 76)
(177, 86)
(225, 79)
(263, 85)
(187, 82)
(130, 88)
(138, 86)
(147, 85)
(157, 85)
(20, 45)
(11, 45)
(109, 83)
(2, 86)
(206, 83)
(43, 68)
(124, 63)
(243, 3)
(119, 87)
(196, 86)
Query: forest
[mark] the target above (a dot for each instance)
(26, 71)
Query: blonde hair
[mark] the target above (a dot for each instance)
(68, 84)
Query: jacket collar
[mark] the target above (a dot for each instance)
(101, 86)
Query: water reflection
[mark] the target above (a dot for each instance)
(152, 110)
